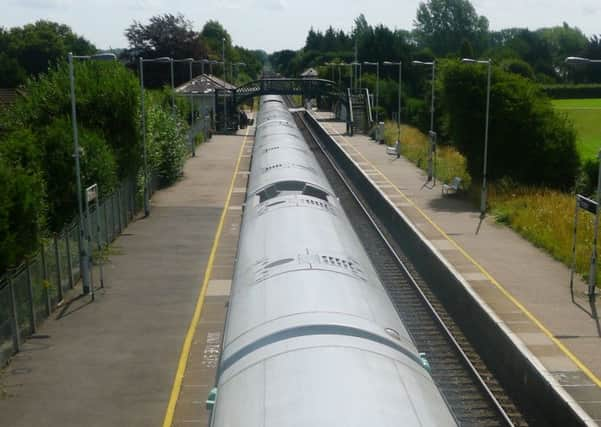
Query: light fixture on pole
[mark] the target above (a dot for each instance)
(398, 121)
(592, 277)
(431, 133)
(233, 67)
(84, 258)
(357, 66)
(484, 192)
(224, 95)
(377, 65)
(141, 61)
(189, 61)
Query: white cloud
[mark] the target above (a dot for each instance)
(272, 4)
(42, 4)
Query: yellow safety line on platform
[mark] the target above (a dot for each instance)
(185, 353)
(500, 287)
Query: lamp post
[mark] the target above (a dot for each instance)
(592, 277)
(398, 121)
(357, 65)
(164, 59)
(377, 65)
(483, 192)
(83, 254)
(189, 61)
(233, 65)
(224, 96)
(432, 133)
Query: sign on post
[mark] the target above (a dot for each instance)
(591, 206)
(91, 197)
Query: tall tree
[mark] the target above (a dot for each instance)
(33, 48)
(216, 37)
(443, 25)
(165, 35)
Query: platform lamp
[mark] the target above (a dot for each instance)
(398, 121)
(233, 66)
(377, 65)
(141, 61)
(431, 133)
(592, 277)
(358, 80)
(483, 191)
(83, 254)
(190, 62)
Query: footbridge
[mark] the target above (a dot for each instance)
(228, 100)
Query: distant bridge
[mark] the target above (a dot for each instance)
(309, 88)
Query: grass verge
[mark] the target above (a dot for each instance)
(543, 217)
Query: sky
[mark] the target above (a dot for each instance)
(282, 24)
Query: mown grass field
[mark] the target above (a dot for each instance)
(586, 116)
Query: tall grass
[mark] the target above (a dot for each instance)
(545, 218)
(414, 146)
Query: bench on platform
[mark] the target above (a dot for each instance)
(455, 185)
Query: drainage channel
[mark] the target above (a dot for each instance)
(470, 389)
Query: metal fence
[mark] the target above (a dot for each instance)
(31, 292)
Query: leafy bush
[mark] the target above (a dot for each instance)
(573, 91)
(98, 166)
(107, 101)
(22, 195)
(167, 144)
(529, 141)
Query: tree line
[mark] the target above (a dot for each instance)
(37, 174)
(530, 142)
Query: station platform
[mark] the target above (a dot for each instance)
(145, 352)
(526, 288)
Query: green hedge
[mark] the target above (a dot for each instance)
(573, 91)
(529, 141)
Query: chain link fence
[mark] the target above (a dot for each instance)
(30, 293)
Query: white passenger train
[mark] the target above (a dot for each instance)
(311, 339)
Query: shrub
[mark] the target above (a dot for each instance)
(167, 144)
(22, 208)
(573, 91)
(107, 101)
(98, 166)
(529, 141)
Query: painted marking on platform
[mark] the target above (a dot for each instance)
(219, 288)
(443, 244)
(585, 369)
(185, 352)
(239, 190)
(212, 350)
(235, 208)
(474, 277)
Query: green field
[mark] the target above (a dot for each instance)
(586, 115)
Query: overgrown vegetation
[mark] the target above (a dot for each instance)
(528, 140)
(414, 146)
(37, 174)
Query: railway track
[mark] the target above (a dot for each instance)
(472, 392)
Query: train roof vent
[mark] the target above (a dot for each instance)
(269, 149)
(343, 263)
(293, 187)
(267, 268)
(288, 166)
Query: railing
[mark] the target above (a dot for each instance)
(370, 119)
(33, 291)
(351, 119)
